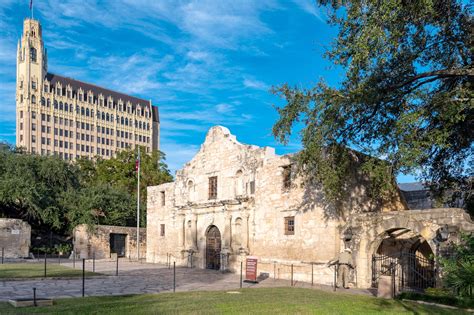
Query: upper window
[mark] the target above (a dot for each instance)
(289, 225)
(33, 85)
(287, 177)
(162, 230)
(163, 198)
(33, 54)
(213, 187)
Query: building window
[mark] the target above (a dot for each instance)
(252, 187)
(287, 177)
(33, 139)
(33, 99)
(163, 198)
(289, 225)
(33, 85)
(213, 187)
(33, 54)
(162, 230)
(33, 126)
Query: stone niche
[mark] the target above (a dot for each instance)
(15, 238)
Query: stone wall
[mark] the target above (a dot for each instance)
(97, 241)
(249, 211)
(15, 238)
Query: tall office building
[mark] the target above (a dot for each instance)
(72, 119)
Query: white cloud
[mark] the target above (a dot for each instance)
(255, 84)
(310, 7)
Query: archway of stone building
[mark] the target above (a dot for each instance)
(213, 248)
(407, 256)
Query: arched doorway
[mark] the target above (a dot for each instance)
(213, 248)
(407, 257)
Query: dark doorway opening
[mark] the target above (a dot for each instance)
(213, 248)
(117, 244)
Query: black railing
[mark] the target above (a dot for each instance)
(411, 272)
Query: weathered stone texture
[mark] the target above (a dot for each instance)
(15, 238)
(97, 241)
(252, 221)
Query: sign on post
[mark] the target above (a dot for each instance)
(251, 269)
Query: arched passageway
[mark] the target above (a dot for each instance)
(405, 256)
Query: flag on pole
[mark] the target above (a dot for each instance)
(137, 162)
(31, 4)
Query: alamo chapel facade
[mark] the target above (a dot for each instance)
(232, 201)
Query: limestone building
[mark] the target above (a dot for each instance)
(234, 200)
(69, 118)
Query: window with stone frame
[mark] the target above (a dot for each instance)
(290, 225)
(213, 187)
(252, 187)
(287, 177)
(162, 230)
(163, 198)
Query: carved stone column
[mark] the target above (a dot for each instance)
(194, 232)
(246, 232)
(228, 231)
(181, 232)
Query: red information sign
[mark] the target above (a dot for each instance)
(251, 269)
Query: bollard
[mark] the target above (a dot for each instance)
(3, 254)
(335, 270)
(83, 275)
(34, 297)
(291, 274)
(73, 259)
(312, 275)
(93, 262)
(174, 276)
(59, 258)
(241, 267)
(116, 267)
(45, 264)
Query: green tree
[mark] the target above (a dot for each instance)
(458, 269)
(119, 172)
(31, 187)
(406, 97)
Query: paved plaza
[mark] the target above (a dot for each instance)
(136, 278)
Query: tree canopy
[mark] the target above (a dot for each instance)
(406, 96)
(47, 191)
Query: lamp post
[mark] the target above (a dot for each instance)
(347, 235)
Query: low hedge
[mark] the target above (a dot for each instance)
(451, 300)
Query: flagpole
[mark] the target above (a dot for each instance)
(138, 207)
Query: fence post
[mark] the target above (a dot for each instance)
(3, 253)
(392, 268)
(74, 259)
(312, 274)
(116, 267)
(335, 271)
(174, 276)
(38, 255)
(241, 267)
(83, 275)
(34, 297)
(274, 271)
(291, 274)
(93, 262)
(59, 258)
(45, 264)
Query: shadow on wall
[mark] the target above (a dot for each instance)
(355, 191)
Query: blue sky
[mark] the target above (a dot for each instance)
(202, 62)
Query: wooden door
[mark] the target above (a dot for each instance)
(213, 248)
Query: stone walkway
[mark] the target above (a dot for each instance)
(138, 278)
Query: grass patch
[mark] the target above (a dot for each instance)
(440, 299)
(36, 270)
(250, 301)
